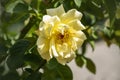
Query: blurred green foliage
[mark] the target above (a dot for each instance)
(19, 59)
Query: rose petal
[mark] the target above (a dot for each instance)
(44, 55)
(56, 11)
(46, 18)
(60, 34)
(50, 20)
(67, 58)
(61, 60)
(76, 24)
(79, 34)
(52, 45)
(71, 15)
(63, 48)
(78, 41)
(48, 24)
(43, 48)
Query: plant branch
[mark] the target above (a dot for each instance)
(42, 63)
(25, 30)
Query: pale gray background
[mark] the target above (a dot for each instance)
(107, 61)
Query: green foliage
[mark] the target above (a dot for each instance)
(79, 60)
(111, 8)
(82, 60)
(78, 2)
(13, 75)
(34, 76)
(17, 52)
(3, 53)
(55, 71)
(19, 19)
(90, 65)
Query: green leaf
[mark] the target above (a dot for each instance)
(33, 60)
(84, 48)
(34, 4)
(20, 8)
(68, 4)
(17, 19)
(92, 44)
(79, 60)
(20, 47)
(27, 1)
(52, 64)
(107, 32)
(117, 32)
(11, 5)
(97, 2)
(27, 28)
(116, 24)
(29, 70)
(90, 65)
(91, 8)
(88, 19)
(0, 77)
(17, 52)
(3, 49)
(12, 75)
(78, 2)
(14, 22)
(1, 70)
(58, 72)
(20, 13)
(111, 8)
(3, 52)
(34, 76)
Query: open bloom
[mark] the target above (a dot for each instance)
(60, 34)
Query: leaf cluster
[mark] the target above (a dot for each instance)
(19, 19)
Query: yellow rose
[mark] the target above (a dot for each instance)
(60, 34)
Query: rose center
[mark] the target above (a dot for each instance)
(62, 38)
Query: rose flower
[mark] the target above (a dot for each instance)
(60, 34)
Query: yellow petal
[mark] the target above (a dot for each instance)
(79, 38)
(78, 42)
(56, 11)
(61, 60)
(80, 35)
(74, 45)
(63, 48)
(48, 24)
(43, 48)
(67, 58)
(50, 20)
(71, 15)
(52, 46)
(46, 18)
(44, 55)
(76, 24)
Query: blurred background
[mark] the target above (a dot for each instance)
(106, 59)
(101, 18)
